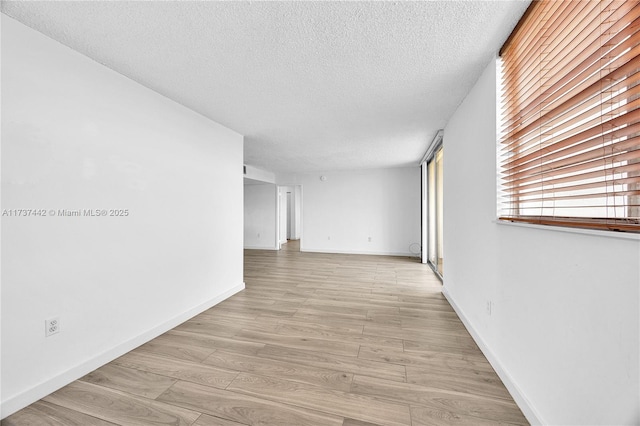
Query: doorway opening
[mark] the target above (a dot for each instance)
(289, 217)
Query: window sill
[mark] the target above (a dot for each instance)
(595, 232)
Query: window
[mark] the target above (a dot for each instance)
(569, 149)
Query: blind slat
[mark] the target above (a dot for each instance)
(610, 224)
(595, 157)
(580, 172)
(580, 187)
(594, 195)
(620, 126)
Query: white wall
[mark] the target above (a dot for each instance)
(255, 173)
(564, 325)
(76, 135)
(340, 214)
(260, 217)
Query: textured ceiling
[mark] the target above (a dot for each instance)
(311, 85)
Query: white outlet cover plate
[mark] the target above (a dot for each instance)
(52, 326)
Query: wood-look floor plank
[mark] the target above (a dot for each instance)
(243, 409)
(275, 311)
(178, 369)
(391, 320)
(391, 306)
(432, 298)
(207, 420)
(213, 342)
(421, 291)
(433, 361)
(430, 416)
(130, 380)
(436, 325)
(328, 333)
(359, 407)
(170, 349)
(353, 422)
(341, 313)
(118, 407)
(208, 329)
(439, 303)
(42, 413)
(271, 295)
(242, 301)
(311, 305)
(480, 383)
(418, 339)
(304, 343)
(329, 294)
(261, 288)
(331, 379)
(323, 318)
(295, 325)
(231, 325)
(383, 341)
(341, 363)
(373, 311)
(493, 409)
(344, 285)
(352, 302)
(435, 343)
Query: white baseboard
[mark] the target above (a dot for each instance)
(43, 389)
(260, 248)
(525, 405)
(373, 253)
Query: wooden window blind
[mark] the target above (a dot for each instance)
(569, 151)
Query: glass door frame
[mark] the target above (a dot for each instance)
(431, 205)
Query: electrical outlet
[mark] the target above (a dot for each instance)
(489, 306)
(52, 326)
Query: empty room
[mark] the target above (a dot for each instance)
(349, 213)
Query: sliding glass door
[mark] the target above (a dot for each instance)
(431, 213)
(435, 211)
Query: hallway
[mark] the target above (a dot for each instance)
(315, 339)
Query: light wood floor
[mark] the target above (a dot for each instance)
(315, 339)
